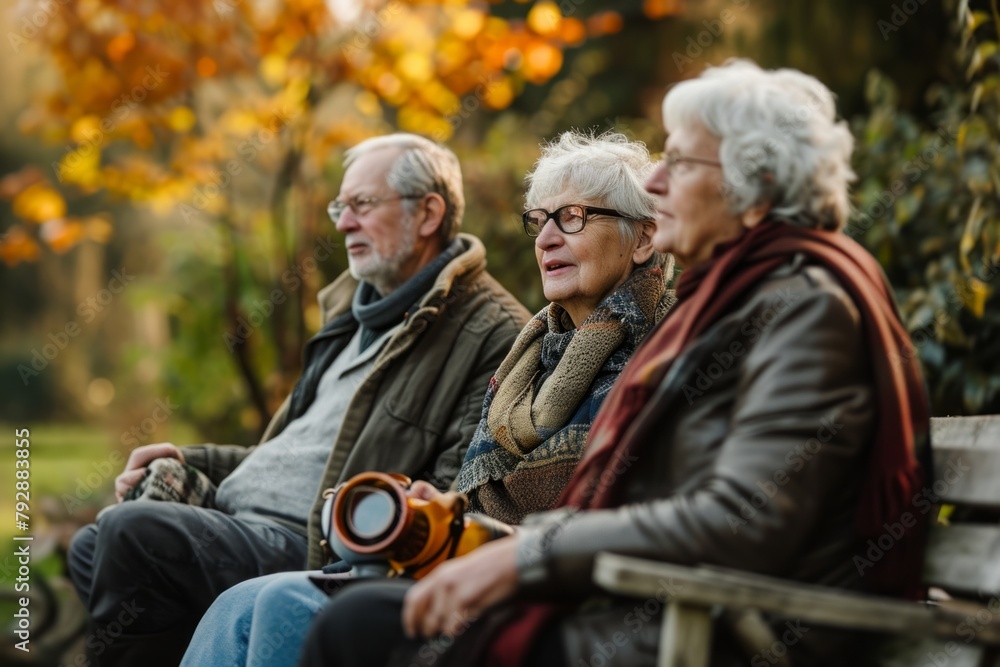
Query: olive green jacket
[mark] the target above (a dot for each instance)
(416, 411)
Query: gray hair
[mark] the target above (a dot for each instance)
(780, 141)
(607, 168)
(423, 167)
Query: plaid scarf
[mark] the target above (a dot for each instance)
(540, 404)
(705, 294)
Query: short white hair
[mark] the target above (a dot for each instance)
(423, 167)
(607, 169)
(781, 143)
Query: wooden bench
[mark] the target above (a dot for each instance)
(958, 627)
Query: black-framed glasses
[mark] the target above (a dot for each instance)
(671, 161)
(360, 205)
(570, 219)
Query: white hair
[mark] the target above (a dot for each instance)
(780, 141)
(607, 169)
(423, 167)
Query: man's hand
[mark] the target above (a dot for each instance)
(135, 467)
(458, 590)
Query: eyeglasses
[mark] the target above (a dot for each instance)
(570, 219)
(360, 205)
(671, 161)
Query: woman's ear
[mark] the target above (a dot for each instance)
(644, 245)
(431, 214)
(755, 214)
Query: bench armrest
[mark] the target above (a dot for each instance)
(709, 586)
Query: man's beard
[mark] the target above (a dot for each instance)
(384, 272)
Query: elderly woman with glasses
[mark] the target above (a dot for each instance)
(772, 422)
(591, 224)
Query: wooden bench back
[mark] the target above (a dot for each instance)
(963, 557)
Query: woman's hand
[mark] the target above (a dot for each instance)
(135, 467)
(423, 490)
(458, 590)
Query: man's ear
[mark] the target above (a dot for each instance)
(644, 245)
(430, 214)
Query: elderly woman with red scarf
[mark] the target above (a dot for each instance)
(772, 422)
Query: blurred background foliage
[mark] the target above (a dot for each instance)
(165, 168)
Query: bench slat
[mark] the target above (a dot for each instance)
(810, 604)
(964, 559)
(967, 460)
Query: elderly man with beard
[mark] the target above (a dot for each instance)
(393, 381)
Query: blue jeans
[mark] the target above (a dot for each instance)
(260, 622)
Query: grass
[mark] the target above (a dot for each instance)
(71, 463)
(72, 466)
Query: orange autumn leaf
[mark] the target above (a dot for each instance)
(38, 203)
(17, 246)
(119, 46)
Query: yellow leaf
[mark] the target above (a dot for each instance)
(273, 69)
(980, 56)
(972, 226)
(499, 94)
(467, 23)
(239, 123)
(542, 61)
(181, 119)
(544, 18)
(39, 203)
(415, 67)
(85, 128)
(975, 296)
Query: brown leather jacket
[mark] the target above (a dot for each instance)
(755, 463)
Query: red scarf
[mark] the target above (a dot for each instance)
(705, 294)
